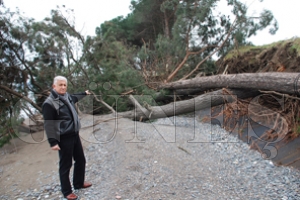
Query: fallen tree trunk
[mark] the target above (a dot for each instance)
(200, 102)
(182, 93)
(271, 81)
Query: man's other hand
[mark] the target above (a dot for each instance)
(56, 147)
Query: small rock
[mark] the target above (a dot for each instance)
(47, 188)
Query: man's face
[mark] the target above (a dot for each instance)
(60, 87)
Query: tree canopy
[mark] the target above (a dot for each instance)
(159, 41)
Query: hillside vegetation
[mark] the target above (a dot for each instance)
(282, 56)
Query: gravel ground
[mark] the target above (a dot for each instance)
(171, 158)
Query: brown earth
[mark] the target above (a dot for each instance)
(278, 57)
(282, 56)
(22, 162)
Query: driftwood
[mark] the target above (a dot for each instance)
(272, 81)
(200, 102)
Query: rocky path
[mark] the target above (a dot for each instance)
(174, 158)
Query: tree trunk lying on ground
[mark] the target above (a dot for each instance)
(200, 102)
(242, 85)
(272, 81)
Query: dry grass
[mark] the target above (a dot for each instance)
(245, 49)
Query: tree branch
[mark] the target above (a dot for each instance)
(210, 55)
(103, 102)
(7, 89)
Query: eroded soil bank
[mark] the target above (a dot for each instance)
(275, 133)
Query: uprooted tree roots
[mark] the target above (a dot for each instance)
(278, 114)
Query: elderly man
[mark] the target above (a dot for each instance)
(62, 126)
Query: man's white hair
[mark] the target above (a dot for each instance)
(59, 78)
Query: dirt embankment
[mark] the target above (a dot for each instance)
(275, 119)
(277, 57)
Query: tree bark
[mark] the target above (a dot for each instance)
(200, 102)
(271, 81)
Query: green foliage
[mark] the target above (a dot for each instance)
(8, 121)
(32, 53)
(111, 65)
(13, 75)
(141, 26)
(166, 30)
(296, 46)
(122, 28)
(127, 54)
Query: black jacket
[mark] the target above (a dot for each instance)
(59, 122)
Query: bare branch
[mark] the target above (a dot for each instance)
(103, 102)
(20, 96)
(210, 55)
(280, 94)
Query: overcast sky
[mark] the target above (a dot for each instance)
(91, 13)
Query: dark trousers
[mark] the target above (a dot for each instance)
(71, 148)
